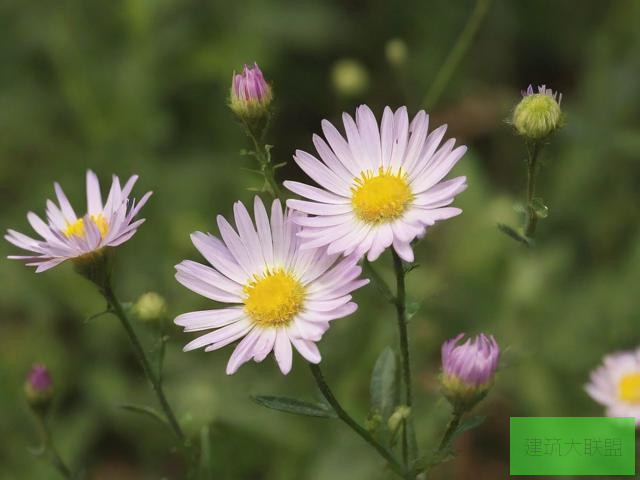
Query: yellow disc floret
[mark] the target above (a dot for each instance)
(629, 388)
(273, 299)
(76, 229)
(380, 198)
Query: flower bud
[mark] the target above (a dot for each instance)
(151, 307)
(538, 114)
(396, 52)
(468, 370)
(349, 77)
(38, 388)
(250, 95)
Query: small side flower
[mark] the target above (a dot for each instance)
(38, 388)
(250, 97)
(539, 114)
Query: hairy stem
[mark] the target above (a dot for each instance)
(50, 447)
(156, 385)
(351, 423)
(451, 428)
(456, 53)
(531, 218)
(401, 309)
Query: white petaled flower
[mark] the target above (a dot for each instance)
(67, 236)
(616, 384)
(280, 295)
(380, 187)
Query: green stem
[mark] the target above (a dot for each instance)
(457, 52)
(156, 385)
(264, 159)
(451, 428)
(531, 218)
(401, 309)
(351, 423)
(50, 447)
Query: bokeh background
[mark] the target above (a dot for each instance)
(141, 86)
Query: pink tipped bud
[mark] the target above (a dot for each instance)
(250, 93)
(38, 387)
(468, 369)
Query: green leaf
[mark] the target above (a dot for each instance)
(291, 405)
(468, 424)
(510, 232)
(384, 385)
(146, 411)
(412, 307)
(409, 267)
(378, 282)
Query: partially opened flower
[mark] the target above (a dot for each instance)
(66, 235)
(616, 384)
(38, 387)
(379, 187)
(468, 369)
(280, 295)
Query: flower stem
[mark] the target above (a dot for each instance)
(451, 428)
(531, 217)
(351, 423)
(262, 155)
(401, 308)
(50, 447)
(116, 308)
(456, 53)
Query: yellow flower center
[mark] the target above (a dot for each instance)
(629, 388)
(76, 228)
(273, 299)
(380, 198)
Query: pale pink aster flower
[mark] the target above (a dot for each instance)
(615, 384)
(379, 187)
(66, 236)
(281, 295)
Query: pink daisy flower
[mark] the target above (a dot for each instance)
(380, 187)
(66, 236)
(280, 294)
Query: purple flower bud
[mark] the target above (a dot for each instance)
(38, 387)
(468, 369)
(250, 93)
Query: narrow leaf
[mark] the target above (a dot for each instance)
(511, 233)
(468, 424)
(291, 405)
(146, 411)
(384, 386)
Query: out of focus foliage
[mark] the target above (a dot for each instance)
(140, 87)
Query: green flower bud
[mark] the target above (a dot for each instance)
(401, 413)
(396, 52)
(538, 114)
(349, 77)
(151, 307)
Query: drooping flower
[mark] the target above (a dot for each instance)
(280, 294)
(538, 114)
(379, 187)
(468, 369)
(250, 94)
(615, 384)
(38, 387)
(66, 236)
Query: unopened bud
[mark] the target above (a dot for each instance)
(250, 96)
(349, 77)
(396, 52)
(468, 370)
(538, 114)
(38, 388)
(151, 307)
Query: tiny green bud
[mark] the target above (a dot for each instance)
(349, 77)
(372, 423)
(38, 388)
(401, 413)
(150, 307)
(396, 52)
(538, 114)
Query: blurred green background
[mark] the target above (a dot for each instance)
(140, 86)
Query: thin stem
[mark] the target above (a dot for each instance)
(456, 53)
(50, 447)
(531, 218)
(401, 308)
(351, 423)
(451, 428)
(156, 385)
